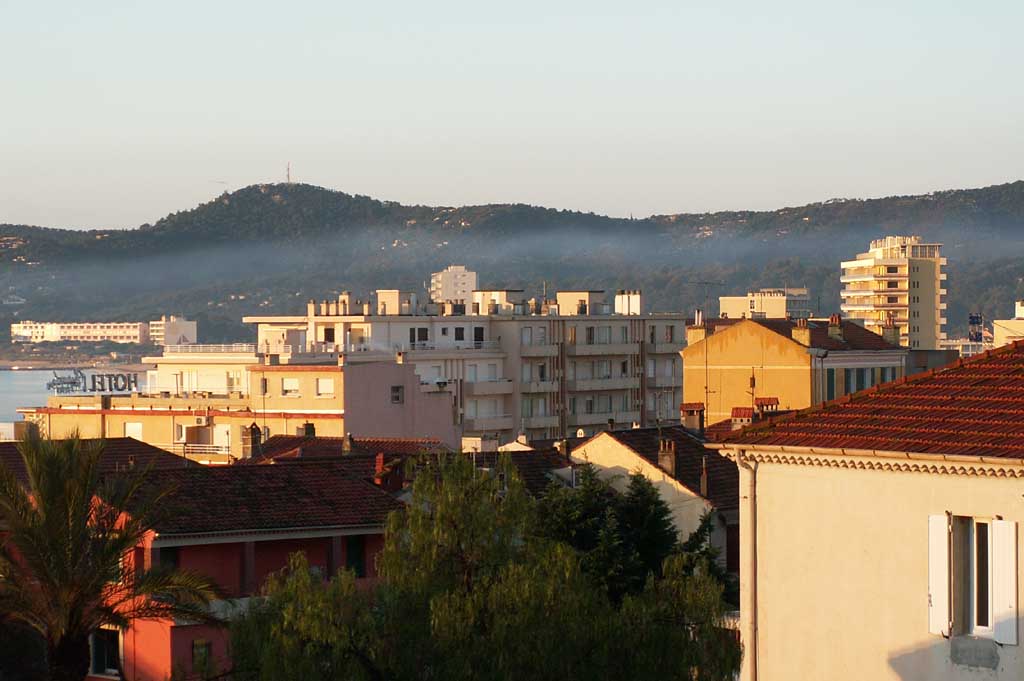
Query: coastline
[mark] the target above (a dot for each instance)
(45, 365)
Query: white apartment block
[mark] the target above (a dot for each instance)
(86, 332)
(172, 331)
(1005, 331)
(901, 277)
(454, 282)
(545, 369)
(767, 303)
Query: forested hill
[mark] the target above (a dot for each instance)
(268, 248)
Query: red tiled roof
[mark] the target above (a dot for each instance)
(691, 406)
(723, 476)
(743, 412)
(855, 336)
(766, 401)
(118, 454)
(971, 408)
(535, 467)
(294, 446)
(243, 499)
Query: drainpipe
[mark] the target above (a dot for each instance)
(751, 467)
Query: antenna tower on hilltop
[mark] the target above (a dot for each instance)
(288, 173)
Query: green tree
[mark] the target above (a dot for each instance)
(66, 535)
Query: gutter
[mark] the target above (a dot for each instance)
(754, 633)
(1017, 462)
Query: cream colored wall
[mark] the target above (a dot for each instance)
(197, 376)
(307, 400)
(842, 572)
(781, 367)
(1007, 330)
(615, 462)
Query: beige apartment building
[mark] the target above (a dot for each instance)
(577, 362)
(767, 303)
(86, 332)
(216, 403)
(171, 330)
(880, 535)
(898, 278)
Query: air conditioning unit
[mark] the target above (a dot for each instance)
(202, 420)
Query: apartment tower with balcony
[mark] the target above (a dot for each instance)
(453, 283)
(898, 278)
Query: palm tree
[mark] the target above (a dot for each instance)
(64, 536)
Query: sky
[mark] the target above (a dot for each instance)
(114, 114)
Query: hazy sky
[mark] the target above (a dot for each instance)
(113, 114)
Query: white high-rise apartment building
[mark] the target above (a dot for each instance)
(899, 278)
(453, 283)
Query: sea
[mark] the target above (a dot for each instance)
(27, 388)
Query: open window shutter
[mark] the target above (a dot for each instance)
(1004, 580)
(938, 574)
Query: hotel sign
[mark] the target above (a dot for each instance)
(78, 382)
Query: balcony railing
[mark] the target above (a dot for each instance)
(237, 348)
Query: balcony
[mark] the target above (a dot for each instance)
(501, 386)
(232, 348)
(601, 349)
(481, 424)
(662, 381)
(622, 383)
(212, 454)
(623, 418)
(540, 421)
(540, 387)
(538, 350)
(666, 348)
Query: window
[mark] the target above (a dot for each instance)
(398, 394)
(444, 330)
(849, 381)
(526, 335)
(492, 372)
(290, 387)
(604, 404)
(590, 335)
(751, 304)
(170, 557)
(412, 336)
(325, 387)
(588, 405)
(540, 406)
(106, 652)
(654, 334)
(422, 334)
(355, 554)
(830, 384)
(460, 333)
(179, 432)
(542, 372)
(624, 368)
(526, 373)
(604, 335)
(542, 335)
(892, 270)
(623, 334)
(471, 409)
(202, 656)
(972, 577)
(670, 334)
(572, 335)
(604, 369)
(892, 284)
(471, 373)
(526, 407)
(572, 405)
(650, 368)
(478, 334)
(264, 386)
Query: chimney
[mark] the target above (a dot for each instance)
(890, 332)
(348, 444)
(704, 476)
(131, 461)
(611, 424)
(308, 429)
(835, 327)
(667, 456)
(562, 446)
(801, 333)
(323, 308)
(378, 469)
(691, 414)
(311, 308)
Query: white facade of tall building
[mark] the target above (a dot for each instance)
(542, 368)
(454, 282)
(86, 332)
(767, 303)
(171, 330)
(901, 277)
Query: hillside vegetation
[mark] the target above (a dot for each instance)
(269, 248)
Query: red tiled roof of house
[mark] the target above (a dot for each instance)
(294, 446)
(972, 408)
(535, 467)
(743, 412)
(723, 476)
(718, 431)
(245, 499)
(691, 406)
(766, 401)
(119, 453)
(855, 336)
